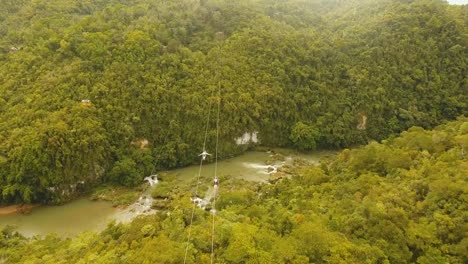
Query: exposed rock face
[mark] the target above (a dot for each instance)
(362, 123)
(141, 143)
(247, 138)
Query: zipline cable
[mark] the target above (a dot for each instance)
(198, 177)
(216, 186)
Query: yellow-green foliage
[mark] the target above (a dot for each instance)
(106, 90)
(363, 207)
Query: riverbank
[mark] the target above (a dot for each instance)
(119, 196)
(17, 209)
(93, 210)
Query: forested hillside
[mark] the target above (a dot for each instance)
(400, 201)
(303, 73)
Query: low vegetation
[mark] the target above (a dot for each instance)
(96, 92)
(403, 200)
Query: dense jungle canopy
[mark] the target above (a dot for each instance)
(109, 90)
(400, 201)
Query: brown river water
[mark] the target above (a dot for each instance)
(85, 215)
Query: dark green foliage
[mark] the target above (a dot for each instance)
(304, 137)
(129, 167)
(62, 151)
(305, 74)
(357, 208)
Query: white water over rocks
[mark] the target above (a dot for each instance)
(152, 179)
(202, 203)
(264, 169)
(141, 207)
(94, 215)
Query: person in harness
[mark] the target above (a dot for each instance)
(216, 181)
(204, 154)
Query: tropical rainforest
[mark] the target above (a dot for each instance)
(111, 90)
(403, 200)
